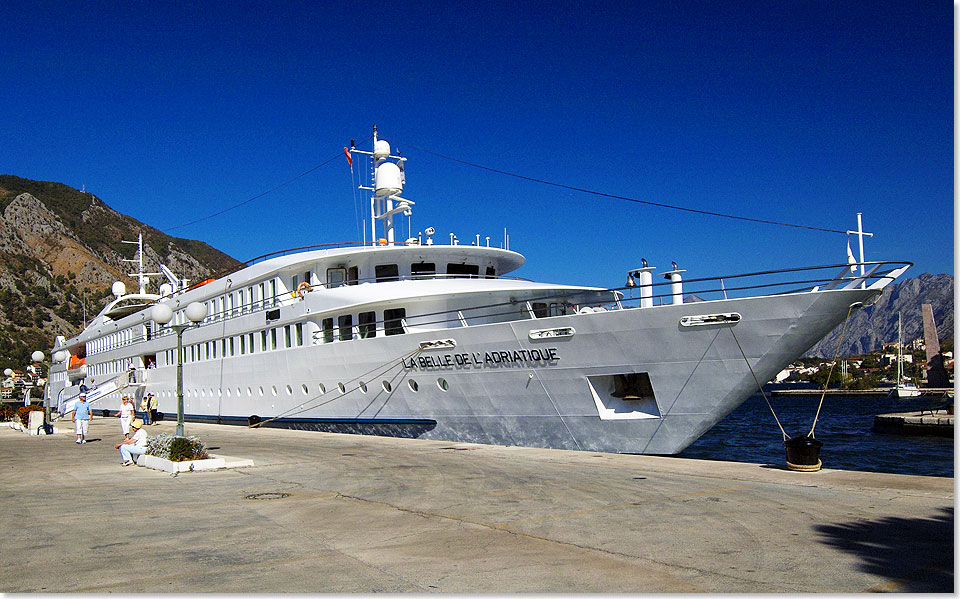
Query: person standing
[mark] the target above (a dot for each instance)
(154, 404)
(126, 414)
(145, 408)
(134, 446)
(81, 418)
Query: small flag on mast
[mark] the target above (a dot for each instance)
(850, 258)
(346, 151)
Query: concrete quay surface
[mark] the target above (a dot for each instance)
(323, 512)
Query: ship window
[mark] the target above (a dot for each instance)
(273, 291)
(263, 341)
(345, 324)
(368, 325)
(463, 270)
(326, 328)
(295, 280)
(286, 337)
(413, 385)
(298, 330)
(540, 310)
(393, 321)
(353, 275)
(442, 384)
(491, 272)
(336, 277)
(231, 347)
(243, 344)
(307, 277)
(273, 338)
(250, 298)
(423, 270)
(250, 340)
(214, 350)
(387, 272)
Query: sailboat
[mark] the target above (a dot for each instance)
(905, 387)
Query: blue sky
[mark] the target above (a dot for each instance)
(797, 112)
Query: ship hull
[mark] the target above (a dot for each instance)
(497, 384)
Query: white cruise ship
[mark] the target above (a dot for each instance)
(419, 339)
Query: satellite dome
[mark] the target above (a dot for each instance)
(381, 149)
(389, 180)
(118, 288)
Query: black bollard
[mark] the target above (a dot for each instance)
(803, 454)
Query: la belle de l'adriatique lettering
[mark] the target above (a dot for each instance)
(524, 357)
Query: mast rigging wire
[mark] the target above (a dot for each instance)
(260, 195)
(618, 197)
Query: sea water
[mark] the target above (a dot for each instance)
(845, 425)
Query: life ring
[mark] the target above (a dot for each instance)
(303, 288)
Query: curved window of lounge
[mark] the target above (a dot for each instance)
(463, 270)
(423, 270)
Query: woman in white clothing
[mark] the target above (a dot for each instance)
(126, 415)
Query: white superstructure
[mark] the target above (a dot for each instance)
(415, 338)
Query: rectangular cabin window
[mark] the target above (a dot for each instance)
(298, 333)
(295, 281)
(345, 324)
(260, 295)
(214, 350)
(273, 338)
(243, 344)
(273, 291)
(223, 348)
(368, 325)
(463, 270)
(353, 275)
(491, 272)
(336, 277)
(231, 347)
(326, 328)
(423, 270)
(387, 272)
(286, 337)
(263, 341)
(307, 278)
(393, 321)
(250, 341)
(250, 298)
(541, 310)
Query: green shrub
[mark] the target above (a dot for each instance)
(176, 449)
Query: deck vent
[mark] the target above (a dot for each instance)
(709, 319)
(552, 333)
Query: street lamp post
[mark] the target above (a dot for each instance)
(162, 314)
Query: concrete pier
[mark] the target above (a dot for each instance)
(937, 423)
(323, 512)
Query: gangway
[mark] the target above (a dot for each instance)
(117, 383)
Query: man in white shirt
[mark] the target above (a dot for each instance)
(135, 445)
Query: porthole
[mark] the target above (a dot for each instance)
(249, 392)
(260, 390)
(443, 384)
(273, 390)
(211, 392)
(228, 391)
(306, 391)
(363, 387)
(341, 388)
(202, 394)
(239, 393)
(413, 385)
(387, 387)
(321, 388)
(289, 390)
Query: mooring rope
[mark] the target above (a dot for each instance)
(759, 386)
(826, 385)
(385, 366)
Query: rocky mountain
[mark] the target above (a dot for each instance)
(60, 252)
(875, 325)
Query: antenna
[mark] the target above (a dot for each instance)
(388, 178)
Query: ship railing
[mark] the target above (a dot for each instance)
(579, 301)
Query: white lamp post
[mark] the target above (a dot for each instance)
(162, 314)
